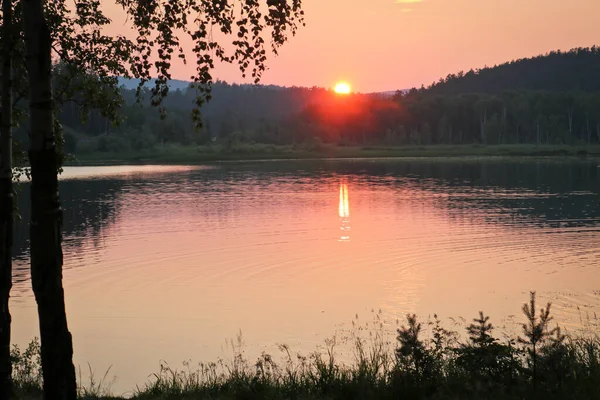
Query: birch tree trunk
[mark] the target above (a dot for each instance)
(46, 214)
(6, 201)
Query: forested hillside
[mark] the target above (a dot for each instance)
(577, 70)
(550, 99)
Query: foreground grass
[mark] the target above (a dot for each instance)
(423, 362)
(176, 154)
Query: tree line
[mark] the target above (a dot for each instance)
(549, 99)
(576, 70)
(421, 118)
(232, 108)
(293, 116)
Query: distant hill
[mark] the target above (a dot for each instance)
(246, 102)
(389, 93)
(577, 70)
(177, 84)
(131, 84)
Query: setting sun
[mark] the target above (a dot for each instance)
(342, 88)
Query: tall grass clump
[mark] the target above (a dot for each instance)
(27, 368)
(423, 360)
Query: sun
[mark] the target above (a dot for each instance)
(342, 88)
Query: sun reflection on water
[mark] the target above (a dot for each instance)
(344, 213)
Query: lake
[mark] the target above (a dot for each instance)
(171, 262)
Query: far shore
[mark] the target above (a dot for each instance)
(255, 152)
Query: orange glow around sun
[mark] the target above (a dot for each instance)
(342, 88)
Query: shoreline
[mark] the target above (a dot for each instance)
(179, 155)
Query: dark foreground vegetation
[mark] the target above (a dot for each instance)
(426, 361)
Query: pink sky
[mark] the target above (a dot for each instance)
(379, 45)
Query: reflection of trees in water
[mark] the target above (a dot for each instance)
(547, 192)
(536, 192)
(542, 192)
(89, 207)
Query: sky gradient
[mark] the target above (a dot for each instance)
(379, 45)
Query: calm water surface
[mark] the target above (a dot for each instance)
(167, 263)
